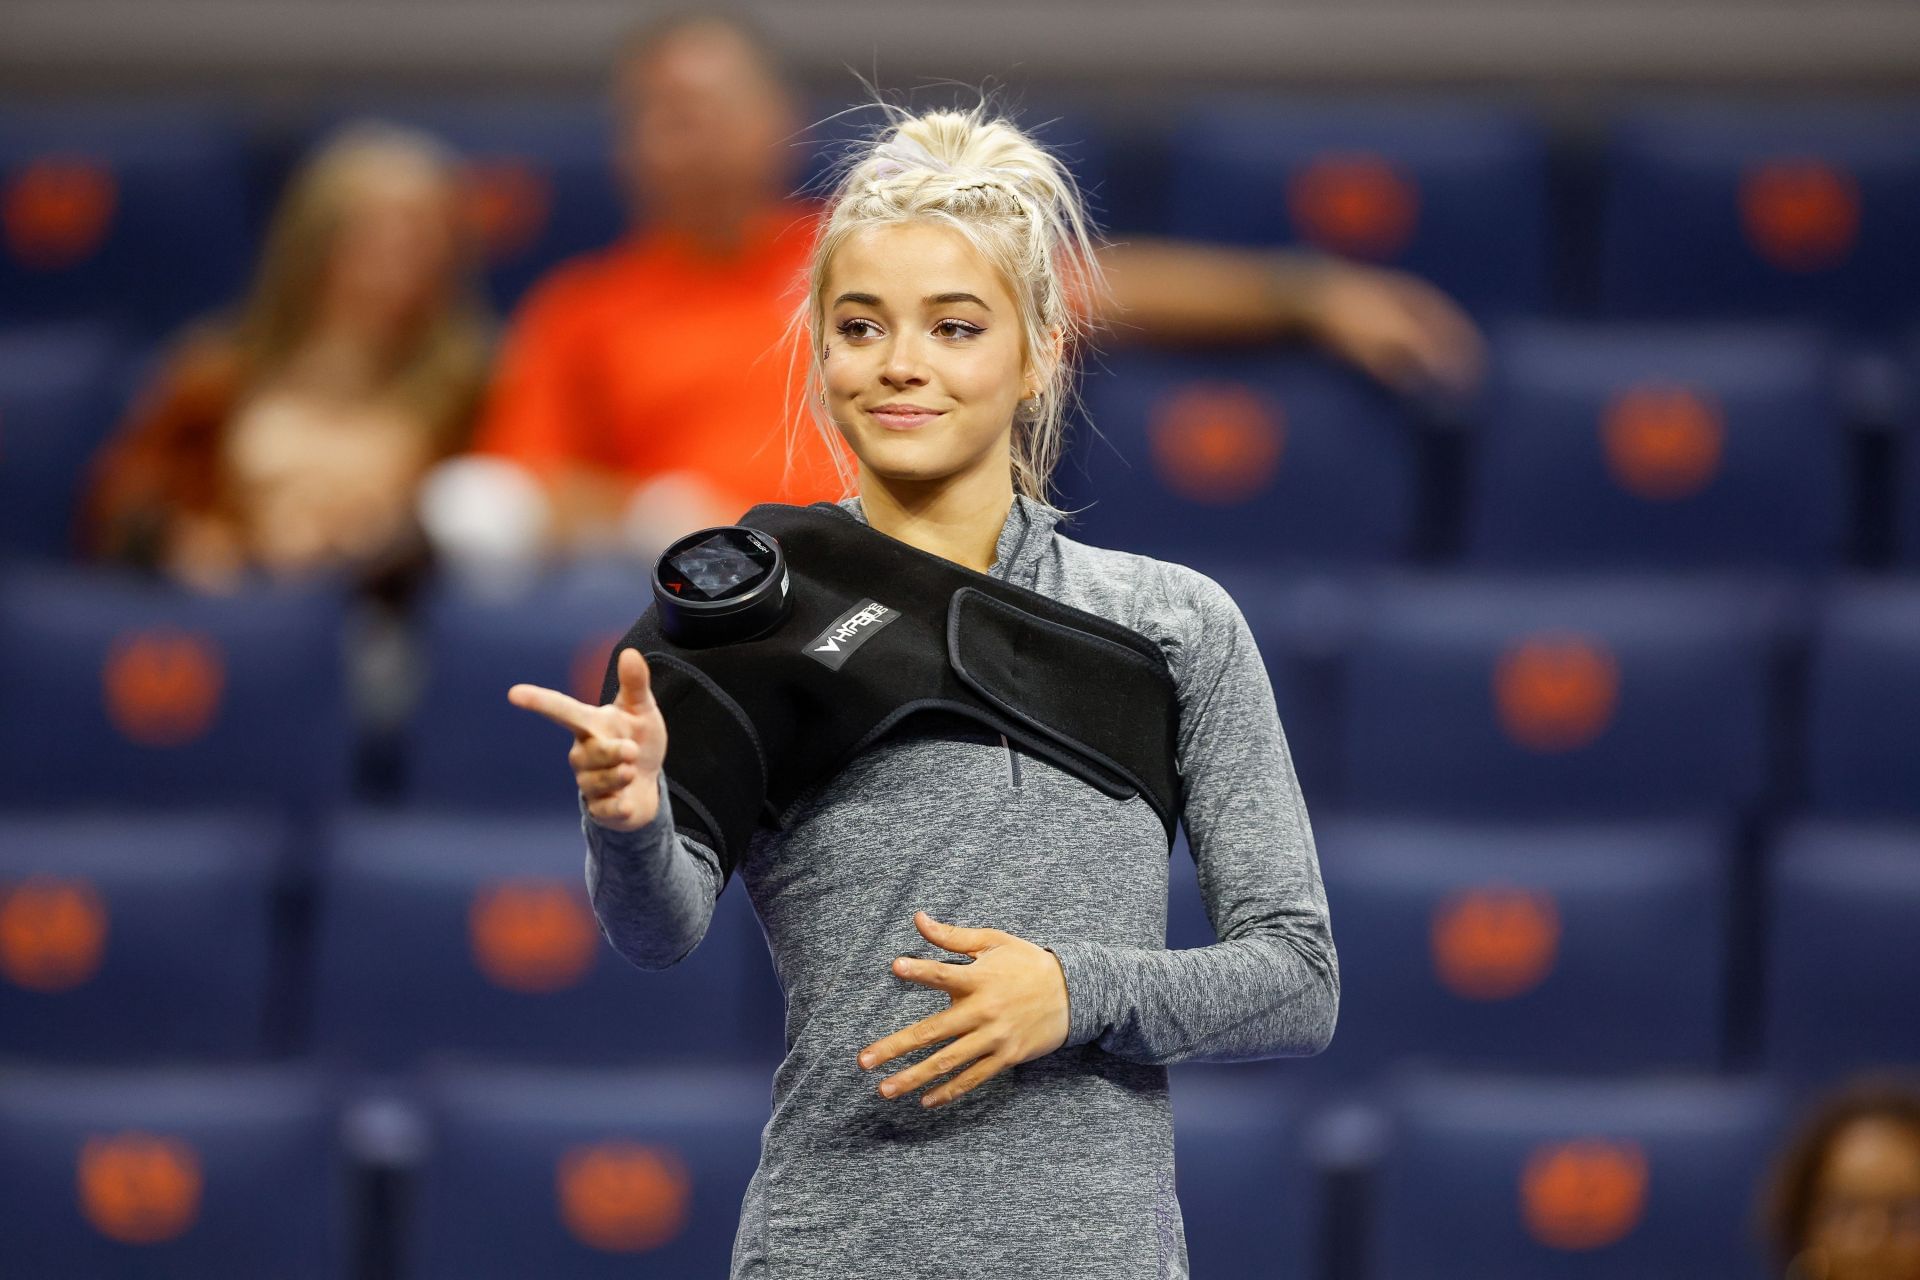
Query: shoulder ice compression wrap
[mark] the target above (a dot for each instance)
(880, 630)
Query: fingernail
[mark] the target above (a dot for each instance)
(930, 1101)
(886, 1090)
(866, 1059)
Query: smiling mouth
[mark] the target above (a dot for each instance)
(902, 419)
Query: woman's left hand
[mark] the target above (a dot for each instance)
(1009, 1006)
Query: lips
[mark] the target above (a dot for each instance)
(902, 417)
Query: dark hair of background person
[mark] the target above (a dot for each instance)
(1787, 1203)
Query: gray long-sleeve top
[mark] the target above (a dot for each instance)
(1061, 1167)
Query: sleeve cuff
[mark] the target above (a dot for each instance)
(1080, 964)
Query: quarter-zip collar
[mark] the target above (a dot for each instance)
(1023, 538)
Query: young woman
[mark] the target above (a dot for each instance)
(289, 440)
(1843, 1199)
(980, 1003)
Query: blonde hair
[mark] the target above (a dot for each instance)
(439, 371)
(1019, 207)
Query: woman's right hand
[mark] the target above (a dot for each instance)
(617, 749)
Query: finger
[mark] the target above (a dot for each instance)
(636, 682)
(555, 706)
(945, 1060)
(602, 753)
(944, 1025)
(952, 937)
(942, 975)
(604, 782)
(967, 1081)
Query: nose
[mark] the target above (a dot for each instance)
(906, 363)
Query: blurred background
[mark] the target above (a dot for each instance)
(1539, 376)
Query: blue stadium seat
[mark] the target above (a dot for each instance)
(59, 391)
(540, 185)
(1843, 968)
(1547, 698)
(135, 937)
(171, 1176)
(1248, 1194)
(617, 1175)
(1660, 448)
(1260, 461)
(468, 746)
(1515, 1177)
(1452, 191)
(473, 937)
(117, 690)
(134, 214)
(1863, 754)
(1906, 518)
(1764, 209)
(1597, 948)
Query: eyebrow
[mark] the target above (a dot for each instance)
(934, 299)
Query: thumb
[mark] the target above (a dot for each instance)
(636, 682)
(952, 937)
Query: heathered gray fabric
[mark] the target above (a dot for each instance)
(1060, 1168)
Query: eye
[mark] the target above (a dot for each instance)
(957, 329)
(857, 328)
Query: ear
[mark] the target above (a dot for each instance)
(1040, 365)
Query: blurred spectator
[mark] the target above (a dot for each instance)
(647, 386)
(288, 439)
(1844, 1203)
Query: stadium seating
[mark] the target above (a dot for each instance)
(1240, 1159)
(444, 936)
(135, 214)
(1742, 209)
(539, 184)
(1546, 698)
(1863, 694)
(137, 937)
(1453, 191)
(1535, 947)
(1513, 1177)
(60, 387)
(1257, 460)
(1843, 964)
(470, 747)
(1659, 448)
(611, 1175)
(121, 691)
(171, 1175)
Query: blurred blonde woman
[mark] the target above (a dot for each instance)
(980, 1003)
(288, 440)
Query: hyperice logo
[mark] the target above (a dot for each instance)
(832, 647)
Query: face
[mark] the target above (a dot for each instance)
(701, 127)
(925, 359)
(1865, 1218)
(395, 251)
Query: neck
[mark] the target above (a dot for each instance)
(956, 519)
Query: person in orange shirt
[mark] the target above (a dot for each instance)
(647, 388)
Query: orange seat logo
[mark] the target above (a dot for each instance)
(622, 1196)
(590, 666)
(1583, 1194)
(1354, 203)
(139, 1188)
(53, 933)
(532, 935)
(163, 685)
(1801, 215)
(1556, 691)
(1662, 442)
(1217, 443)
(1495, 942)
(57, 210)
(506, 203)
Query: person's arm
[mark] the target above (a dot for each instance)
(1395, 326)
(653, 890)
(1271, 986)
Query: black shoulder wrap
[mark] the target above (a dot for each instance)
(880, 630)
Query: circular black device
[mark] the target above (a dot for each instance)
(721, 585)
